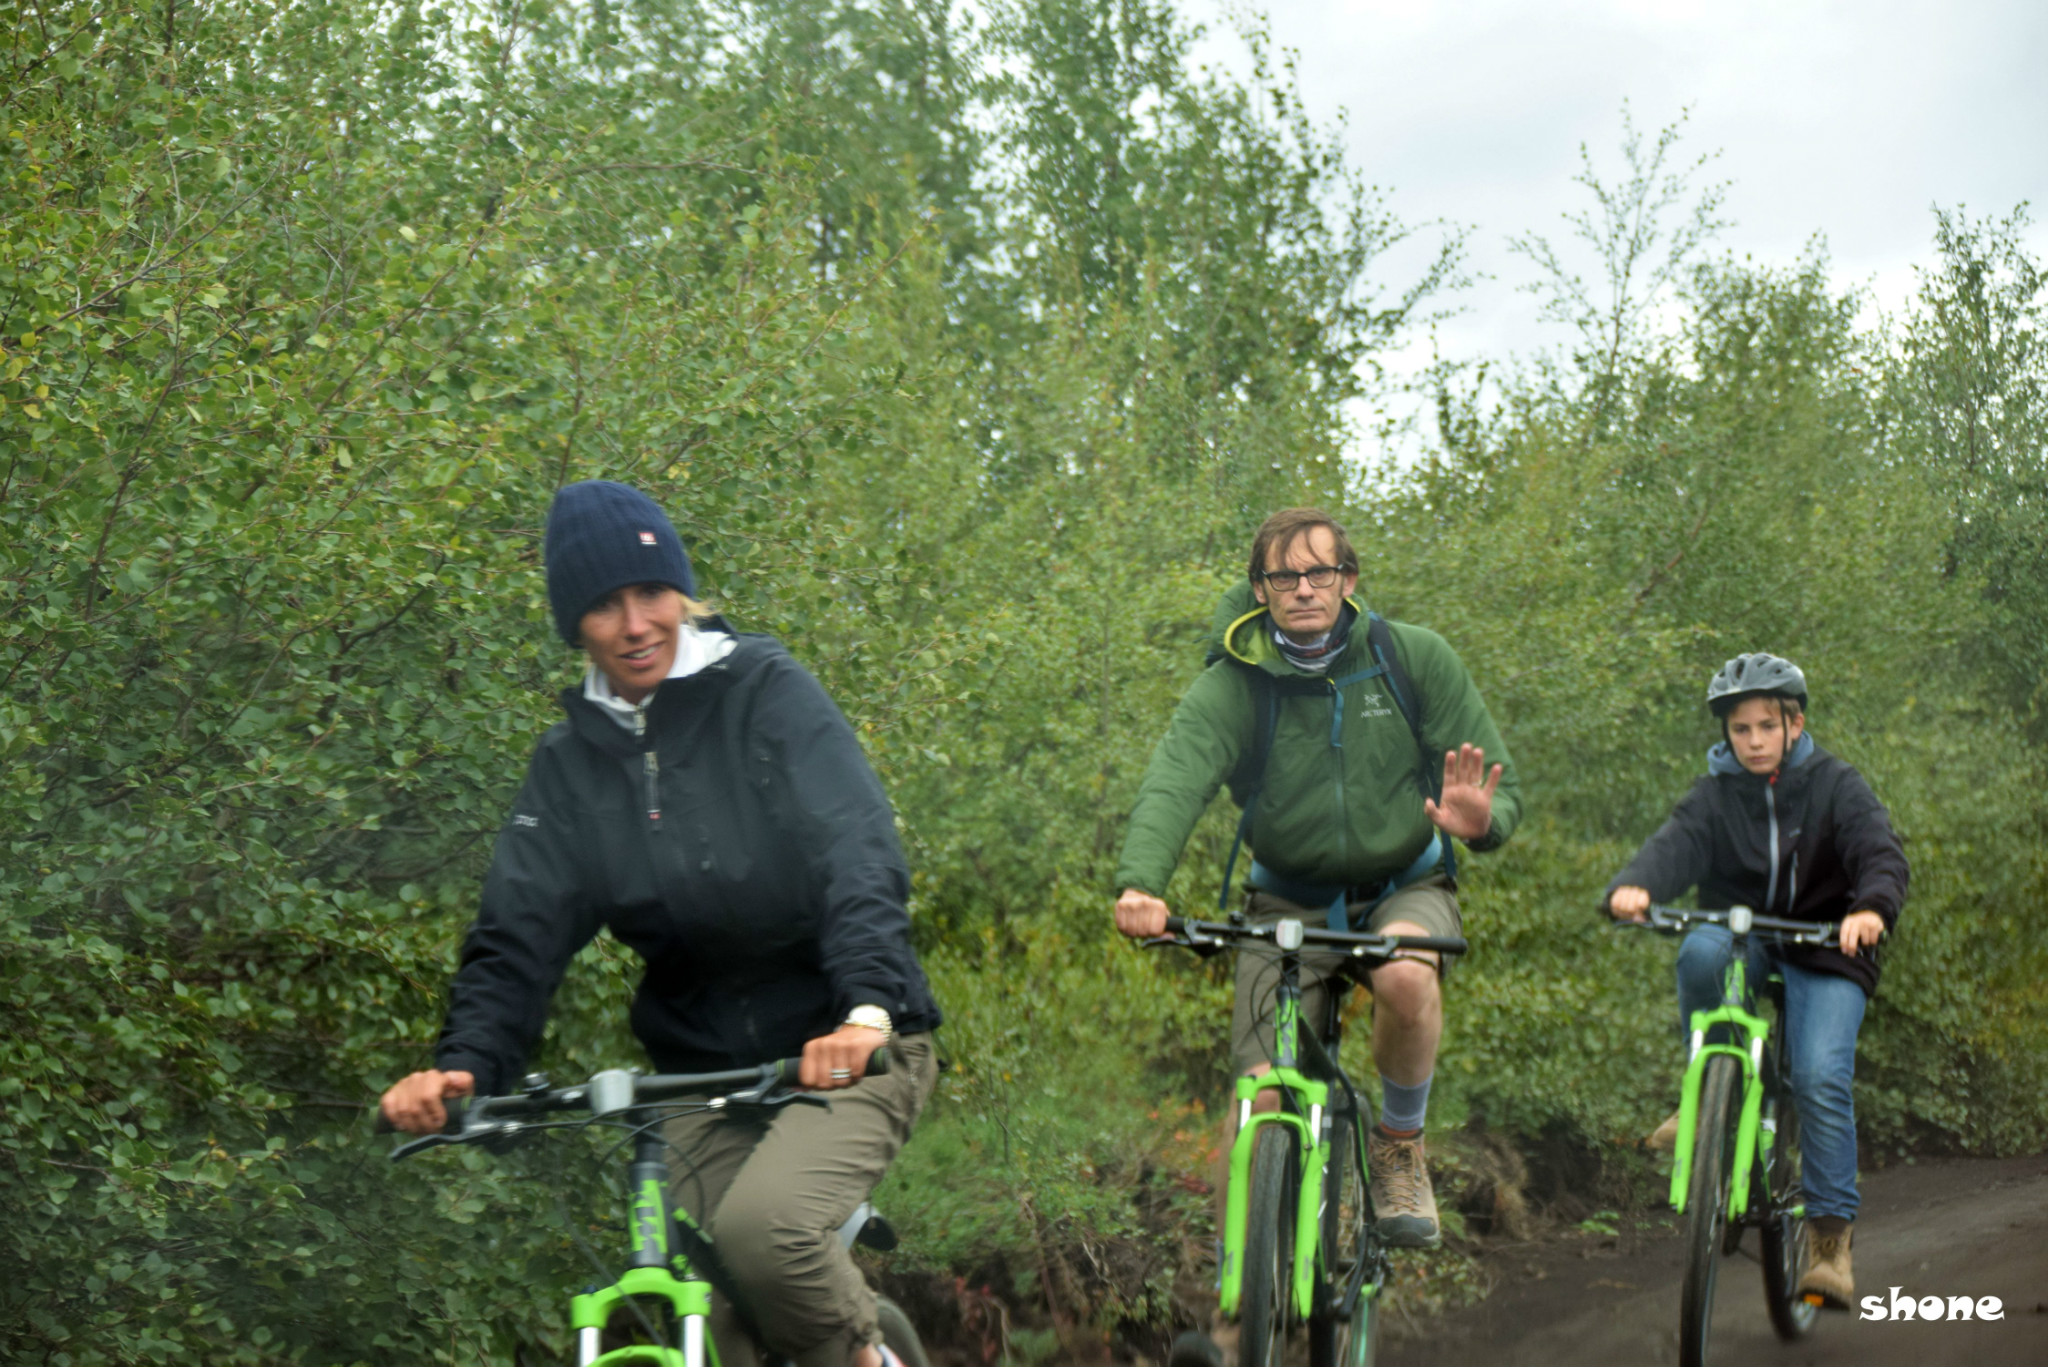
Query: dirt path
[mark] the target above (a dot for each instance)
(1976, 1227)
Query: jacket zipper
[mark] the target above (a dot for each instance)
(1337, 745)
(1771, 806)
(650, 766)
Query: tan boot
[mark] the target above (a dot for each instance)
(1403, 1202)
(1827, 1272)
(1664, 1138)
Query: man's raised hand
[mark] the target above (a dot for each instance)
(1467, 808)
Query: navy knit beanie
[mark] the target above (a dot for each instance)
(603, 536)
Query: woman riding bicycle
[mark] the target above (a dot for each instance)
(707, 803)
(1781, 826)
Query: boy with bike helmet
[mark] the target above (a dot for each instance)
(1781, 826)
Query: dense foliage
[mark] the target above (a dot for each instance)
(966, 355)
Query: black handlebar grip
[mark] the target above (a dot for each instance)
(1176, 924)
(1442, 944)
(788, 1074)
(456, 1107)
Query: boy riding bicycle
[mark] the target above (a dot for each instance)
(1787, 829)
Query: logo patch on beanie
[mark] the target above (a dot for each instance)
(647, 538)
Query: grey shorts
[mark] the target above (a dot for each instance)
(1427, 902)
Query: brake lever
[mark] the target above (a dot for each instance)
(1202, 946)
(772, 1095)
(425, 1141)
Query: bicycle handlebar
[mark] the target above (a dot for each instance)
(615, 1090)
(1668, 920)
(1188, 933)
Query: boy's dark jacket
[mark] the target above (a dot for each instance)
(766, 898)
(1837, 851)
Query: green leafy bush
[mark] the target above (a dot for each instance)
(968, 355)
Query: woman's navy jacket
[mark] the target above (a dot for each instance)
(743, 847)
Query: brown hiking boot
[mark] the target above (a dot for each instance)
(1403, 1202)
(1664, 1138)
(1827, 1256)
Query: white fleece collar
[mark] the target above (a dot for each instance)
(695, 651)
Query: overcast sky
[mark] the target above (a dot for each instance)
(1847, 120)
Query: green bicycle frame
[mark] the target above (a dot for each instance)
(1752, 1138)
(592, 1310)
(655, 1270)
(1315, 1150)
(1308, 1121)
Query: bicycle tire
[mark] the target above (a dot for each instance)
(899, 1333)
(1706, 1205)
(1784, 1241)
(1266, 1304)
(1347, 1242)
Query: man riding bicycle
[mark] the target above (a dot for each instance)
(1784, 828)
(1344, 813)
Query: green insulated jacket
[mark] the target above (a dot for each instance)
(1340, 804)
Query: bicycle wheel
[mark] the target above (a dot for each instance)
(1785, 1233)
(1346, 1249)
(1266, 1306)
(899, 1333)
(1706, 1205)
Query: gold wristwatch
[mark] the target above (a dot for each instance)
(873, 1018)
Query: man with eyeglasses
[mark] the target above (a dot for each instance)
(1327, 723)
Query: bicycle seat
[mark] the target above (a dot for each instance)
(867, 1228)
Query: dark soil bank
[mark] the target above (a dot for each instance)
(1952, 1227)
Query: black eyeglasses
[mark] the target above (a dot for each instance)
(1286, 581)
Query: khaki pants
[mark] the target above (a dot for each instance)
(1427, 902)
(776, 1191)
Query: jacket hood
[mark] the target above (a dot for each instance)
(1721, 759)
(1241, 630)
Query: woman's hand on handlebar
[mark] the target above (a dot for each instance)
(1629, 904)
(838, 1059)
(413, 1104)
(1140, 915)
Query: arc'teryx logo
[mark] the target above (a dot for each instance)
(522, 819)
(1932, 1307)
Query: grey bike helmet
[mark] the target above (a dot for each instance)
(1757, 675)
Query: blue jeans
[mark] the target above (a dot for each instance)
(1823, 1012)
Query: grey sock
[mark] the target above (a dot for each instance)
(1403, 1108)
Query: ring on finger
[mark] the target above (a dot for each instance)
(841, 1074)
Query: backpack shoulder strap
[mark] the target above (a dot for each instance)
(1413, 705)
(1380, 637)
